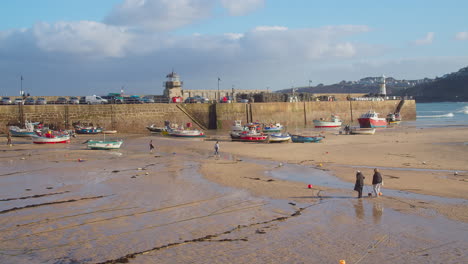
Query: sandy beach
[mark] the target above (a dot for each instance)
(251, 204)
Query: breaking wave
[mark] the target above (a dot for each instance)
(440, 116)
(464, 110)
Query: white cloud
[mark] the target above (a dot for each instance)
(83, 37)
(159, 15)
(270, 28)
(234, 36)
(462, 35)
(242, 7)
(428, 39)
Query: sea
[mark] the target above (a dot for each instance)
(441, 114)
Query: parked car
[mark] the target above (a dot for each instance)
(148, 99)
(5, 100)
(94, 99)
(243, 100)
(41, 101)
(113, 99)
(61, 100)
(196, 99)
(29, 101)
(133, 100)
(73, 100)
(18, 101)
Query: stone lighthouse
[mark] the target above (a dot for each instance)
(383, 89)
(173, 85)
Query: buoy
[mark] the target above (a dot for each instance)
(320, 165)
(342, 261)
(79, 160)
(309, 186)
(380, 193)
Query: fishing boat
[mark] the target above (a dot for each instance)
(371, 119)
(393, 118)
(28, 131)
(335, 122)
(305, 139)
(237, 126)
(362, 131)
(154, 129)
(248, 136)
(88, 130)
(273, 128)
(50, 137)
(185, 133)
(104, 144)
(279, 137)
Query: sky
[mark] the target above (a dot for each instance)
(86, 47)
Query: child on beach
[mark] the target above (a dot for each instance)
(216, 148)
(151, 146)
(8, 138)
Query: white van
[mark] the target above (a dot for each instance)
(93, 99)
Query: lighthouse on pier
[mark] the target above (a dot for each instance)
(383, 89)
(173, 85)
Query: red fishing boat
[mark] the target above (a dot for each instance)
(371, 119)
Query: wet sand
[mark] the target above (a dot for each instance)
(181, 204)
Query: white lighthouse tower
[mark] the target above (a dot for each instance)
(383, 89)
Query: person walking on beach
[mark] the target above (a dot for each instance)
(377, 182)
(8, 138)
(151, 146)
(216, 148)
(359, 183)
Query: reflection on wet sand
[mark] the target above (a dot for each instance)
(377, 212)
(359, 209)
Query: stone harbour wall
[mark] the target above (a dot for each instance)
(133, 118)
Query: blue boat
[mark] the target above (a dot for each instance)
(305, 139)
(88, 130)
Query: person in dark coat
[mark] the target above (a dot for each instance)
(359, 183)
(151, 146)
(377, 182)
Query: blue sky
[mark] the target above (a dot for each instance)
(80, 47)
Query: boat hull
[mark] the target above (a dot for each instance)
(21, 133)
(305, 139)
(279, 138)
(326, 124)
(372, 122)
(88, 131)
(253, 138)
(54, 140)
(104, 145)
(363, 131)
(186, 133)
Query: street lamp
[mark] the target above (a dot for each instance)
(21, 87)
(219, 95)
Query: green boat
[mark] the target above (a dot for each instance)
(104, 144)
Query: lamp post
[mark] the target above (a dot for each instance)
(219, 95)
(21, 87)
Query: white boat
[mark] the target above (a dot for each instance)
(185, 133)
(362, 131)
(154, 129)
(237, 126)
(109, 131)
(50, 138)
(335, 122)
(28, 131)
(279, 137)
(104, 144)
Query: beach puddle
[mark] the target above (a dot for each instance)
(314, 176)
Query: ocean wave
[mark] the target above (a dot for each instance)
(438, 116)
(463, 110)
